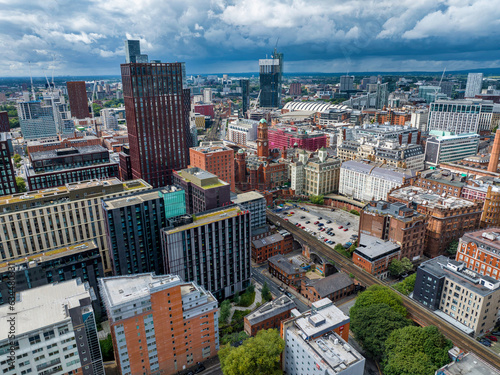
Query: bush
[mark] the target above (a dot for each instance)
(107, 349)
(354, 212)
(266, 293)
(407, 285)
(340, 249)
(225, 311)
(247, 299)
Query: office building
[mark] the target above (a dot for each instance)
(474, 85)
(430, 93)
(295, 89)
(159, 144)
(78, 100)
(287, 137)
(45, 220)
(447, 217)
(318, 175)
(133, 52)
(480, 252)
(316, 342)
(8, 183)
(203, 190)
(346, 83)
(397, 223)
(465, 299)
(241, 131)
(56, 143)
(54, 168)
(245, 96)
(256, 204)
(374, 255)
(216, 159)
(444, 147)
(205, 110)
(269, 315)
(267, 247)
(81, 261)
(365, 181)
(36, 121)
(55, 332)
(4, 122)
(212, 248)
(462, 116)
(159, 324)
(133, 225)
(271, 76)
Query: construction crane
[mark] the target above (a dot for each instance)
(440, 81)
(256, 102)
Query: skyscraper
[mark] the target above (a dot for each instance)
(36, 121)
(346, 83)
(474, 85)
(271, 74)
(157, 120)
(245, 96)
(4, 122)
(78, 102)
(7, 176)
(133, 52)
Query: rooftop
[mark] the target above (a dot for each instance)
(43, 306)
(269, 240)
(287, 265)
(330, 284)
(208, 217)
(247, 197)
(427, 198)
(211, 149)
(201, 178)
(380, 170)
(397, 209)
(137, 198)
(374, 248)
(63, 152)
(324, 316)
(487, 239)
(469, 364)
(270, 309)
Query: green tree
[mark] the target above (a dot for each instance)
(17, 158)
(266, 293)
(399, 267)
(415, 350)
(373, 324)
(354, 212)
(97, 109)
(452, 247)
(259, 355)
(225, 311)
(107, 349)
(317, 199)
(21, 184)
(407, 285)
(379, 294)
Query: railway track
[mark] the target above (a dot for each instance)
(417, 312)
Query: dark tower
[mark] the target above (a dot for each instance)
(245, 96)
(271, 74)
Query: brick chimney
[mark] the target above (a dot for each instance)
(495, 153)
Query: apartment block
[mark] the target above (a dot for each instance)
(256, 204)
(50, 219)
(278, 243)
(78, 101)
(204, 190)
(159, 324)
(374, 255)
(316, 343)
(441, 182)
(212, 248)
(290, 137)
(242, 131)
(269, 315)
(36, 120)
(448, 218)
(480, 252)
(462, 297)
(55, 332)
(133, 224)
(216, 159)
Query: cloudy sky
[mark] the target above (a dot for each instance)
(85, 37)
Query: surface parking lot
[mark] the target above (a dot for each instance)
(338, 218)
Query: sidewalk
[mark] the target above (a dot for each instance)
(253, 306)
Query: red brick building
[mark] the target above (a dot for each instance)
(263, 249)
(480, 251)
(218, 160)
(269, 315)
(78, 101)
(333, 287)
(375, 255)
(286, 271)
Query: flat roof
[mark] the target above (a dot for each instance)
(325, 315)
(489, 237)
(287, 265)
(209, 217)
(43, 306)
(374, 248)
(270, 309)
(269, 240)
(141, 197)
(428, 198)
(469, 364)
(77, 150)
(246, 197)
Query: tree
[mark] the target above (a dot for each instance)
(107, 349)
(259, 355)
(266, 293)
(225, 311)
(452, 247)
(407, 285)
(399, 267)
(373, 324)
(416, 350)
(379, 294)
(21, 184)
(317, 199)
(354, 212)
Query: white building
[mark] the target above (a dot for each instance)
(364, 180)
(256, 204)
(207, 95)
(314, 343)
(474, 85)
(419, 119)
(242, 131)
(55, 332)
(444, 147)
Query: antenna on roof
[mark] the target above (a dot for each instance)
(31, 77)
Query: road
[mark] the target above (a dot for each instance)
(417, 312)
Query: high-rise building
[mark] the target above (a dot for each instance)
(256, 204)
(474, 85)
(207, 95)
(271, 75)
(157, 123)
(295, 89)
(55, 332)
(160, 324)
(245, 96)
(36, 121)
(133, 52)
(4, 122)
(216, 159)
(8, 183)
(346, 83)
(133, 225)
(212, 248)
(78, 101)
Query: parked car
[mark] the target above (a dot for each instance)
(345, 229)
(288, 294)
(303, 227)
(320, 224)
(348, 223)
(326, 239)
(485, 342)
(333, 209)
(492, 338)
(308, 222)
(286, 219)
(291, 212)
(496, 333)
(328, 221)
(302, 217)
(316, 222)
(320, 218)
(340, 227)
(281, 289)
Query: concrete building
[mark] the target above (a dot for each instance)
(480, 252)
(215, 159)
(133, 225)
(207, 95)
(444, 147)
(212, 248)
(346, 83)
(315, 176)
(159, 324)
(204, 191)
(441, 181)
(295, 89)
(241, 131)
(365, 181)
(467, 364)
(269, 315)
(419, 119)
(8, 183)
(55, 332)
(333, 287)
(45, 220)
(133, 52)
(448, 218)
(474, 85)
(462, 297)
(36, 121)
(256, 204)
(316, 343)
(278, 243)
(55, 143)
(397, 223)
(374, 255)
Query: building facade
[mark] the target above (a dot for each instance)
(474, 85)
(159, 324)
(218, 160)
(333, 287)
(256, 204)
(444, 147)
(8, 183)
(288, 138)
(36, 121)
(285, 271)
(278, 243)
(480, 252)
(78, 100)
(374, 255)
(241, 131)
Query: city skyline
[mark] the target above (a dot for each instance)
(230, 36)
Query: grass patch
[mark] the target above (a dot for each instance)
(340, 249)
